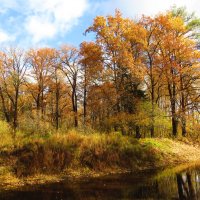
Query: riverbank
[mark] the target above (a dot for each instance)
(74, 155)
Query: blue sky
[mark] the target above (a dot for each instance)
(38, 23)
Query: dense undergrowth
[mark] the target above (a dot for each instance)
(59, 152)
(83, 151)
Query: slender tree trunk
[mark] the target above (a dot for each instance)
(42, 104)
(38, 111)
(190, 186)
(180, 187)
(172, 94)
(174, 120)
(7, 116)
(84, 108)
(174, 117)
(15, 116)
(57, 106)
(184, 132)
(85, 100)
(183, 119)
(137, 131)
(174, 125)
(74, 106)
(152, 96)
(152, 110)
(183, 109)
(76, 111)
(38, 102)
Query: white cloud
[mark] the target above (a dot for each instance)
(49, 18)
(8, 4)
(5, 37)
(40, 22)
(40, 29)
(148, 7)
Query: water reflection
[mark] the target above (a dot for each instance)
(184, 184)
(188, 185)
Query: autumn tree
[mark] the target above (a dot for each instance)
(189, 73)
(133, 73)
(12, 74)
(57, 90)
(69, 59)
(177, 52)
(121, 46)
(151, 55)
(91, 62)
(40, 60)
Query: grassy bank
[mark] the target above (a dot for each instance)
(49, 158)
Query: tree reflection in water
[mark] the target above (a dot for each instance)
(188, 185)
(168, 184)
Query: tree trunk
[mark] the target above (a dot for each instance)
(183, 109)
(74, 107)
(57, 106)
(137, 131)
(42, 104)
(152, 130)
(38, 111)
(174, 125)
(6, 114)
(184, 132)
(152, 97)
(85, 101)
(190, 186)
(76, 111)
(180, 187)
(172, 94)
(15, 116)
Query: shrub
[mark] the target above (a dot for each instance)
(31, 126)
(5, 135)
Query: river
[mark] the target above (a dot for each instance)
(178, 183)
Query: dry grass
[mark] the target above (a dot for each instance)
(77, 154)
(175, 151)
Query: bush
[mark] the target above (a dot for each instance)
(30, 126)
(78, 150)
(5, 135)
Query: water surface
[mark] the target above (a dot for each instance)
(162, 184)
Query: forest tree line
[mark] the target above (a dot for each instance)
(139, 77)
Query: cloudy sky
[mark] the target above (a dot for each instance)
(36, 23)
